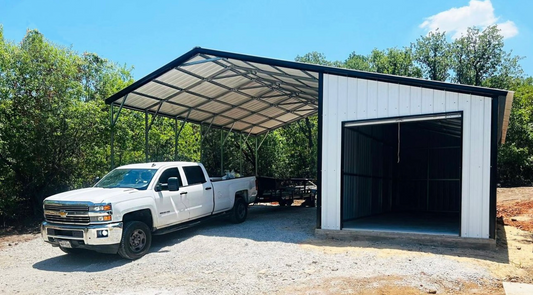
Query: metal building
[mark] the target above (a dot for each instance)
(396, 154)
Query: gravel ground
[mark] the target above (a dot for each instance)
(274, 251)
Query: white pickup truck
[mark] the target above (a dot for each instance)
(131, 203)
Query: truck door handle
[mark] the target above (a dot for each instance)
(207, 188)
(183, 193)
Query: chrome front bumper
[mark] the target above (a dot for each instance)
(82, 234)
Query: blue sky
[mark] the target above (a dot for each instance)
(148, 34)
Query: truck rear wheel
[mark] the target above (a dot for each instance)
(239, 211)
(136, 240)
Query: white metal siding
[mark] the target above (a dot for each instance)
(346, 99)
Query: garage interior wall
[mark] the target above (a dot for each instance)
(351, 99)
(416, 179)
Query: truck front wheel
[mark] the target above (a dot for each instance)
(239, 211)
(136, 240)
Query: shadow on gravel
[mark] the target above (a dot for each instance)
(89, 261)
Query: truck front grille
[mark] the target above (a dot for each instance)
(69, 207)
(67, 219)
(67, 213)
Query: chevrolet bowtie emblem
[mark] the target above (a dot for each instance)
(63, 213)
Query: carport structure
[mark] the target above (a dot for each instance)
(373, 129)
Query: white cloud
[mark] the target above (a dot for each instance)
(478, 13)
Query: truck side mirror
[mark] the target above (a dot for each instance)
(173, 184)
(158, 187)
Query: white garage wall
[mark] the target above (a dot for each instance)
(347, 99)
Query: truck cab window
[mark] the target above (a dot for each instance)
(194, 175)
(171, 172)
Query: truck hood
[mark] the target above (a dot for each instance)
(96, 195)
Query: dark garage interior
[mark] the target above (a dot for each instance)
(402, 175)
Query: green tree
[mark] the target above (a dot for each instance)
(53, 127)
(432, 54)
(515, 157)
(394, 61)
(478, 58)
(358, 62)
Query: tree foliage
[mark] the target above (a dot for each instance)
(432, 53)
(479, 56)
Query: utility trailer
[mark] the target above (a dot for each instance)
(285, 191)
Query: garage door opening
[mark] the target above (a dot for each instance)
(403, 174)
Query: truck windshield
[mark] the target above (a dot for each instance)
(127, 178)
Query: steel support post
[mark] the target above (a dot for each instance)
(112, 123)
(175, 139)
(146, 136)
(221, 152)
(240, 155)
(256, 162)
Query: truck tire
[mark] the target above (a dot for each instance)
(239, 211)
(72, 251)
(136, 240)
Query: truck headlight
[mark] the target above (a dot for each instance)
(100, 207)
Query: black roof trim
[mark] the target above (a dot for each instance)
(481, 91)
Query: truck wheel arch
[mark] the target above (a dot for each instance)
(242, 194)
(143, 215)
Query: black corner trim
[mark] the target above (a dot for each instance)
(319, 150)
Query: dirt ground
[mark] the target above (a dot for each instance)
(512, 260)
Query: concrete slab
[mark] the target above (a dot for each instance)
(517, 288)
(415, 238)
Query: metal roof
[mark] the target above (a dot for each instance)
(246, 93)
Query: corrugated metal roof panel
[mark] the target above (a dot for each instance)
(272, 112)
(236, 113)
(188, 99)
(239, 126)
(221, 121)
(297, 73)
(139, 101)
(259, 92)
(233, 98)
(263, 67)
(240, 64)
(270, 123)
(287, 117)
(204, 69)
(199, 116)
(235, 82)
(209, 89)
(289, 80)
(274, 100)
(257, 129)
(290, 107)
(255, 105)
(157, 90)
(214, 107)
(169, 109)
(178, 79)
(254, 119)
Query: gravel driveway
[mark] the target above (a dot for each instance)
(274, 251)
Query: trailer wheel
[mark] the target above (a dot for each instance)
(136, 240)
(239, 211)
